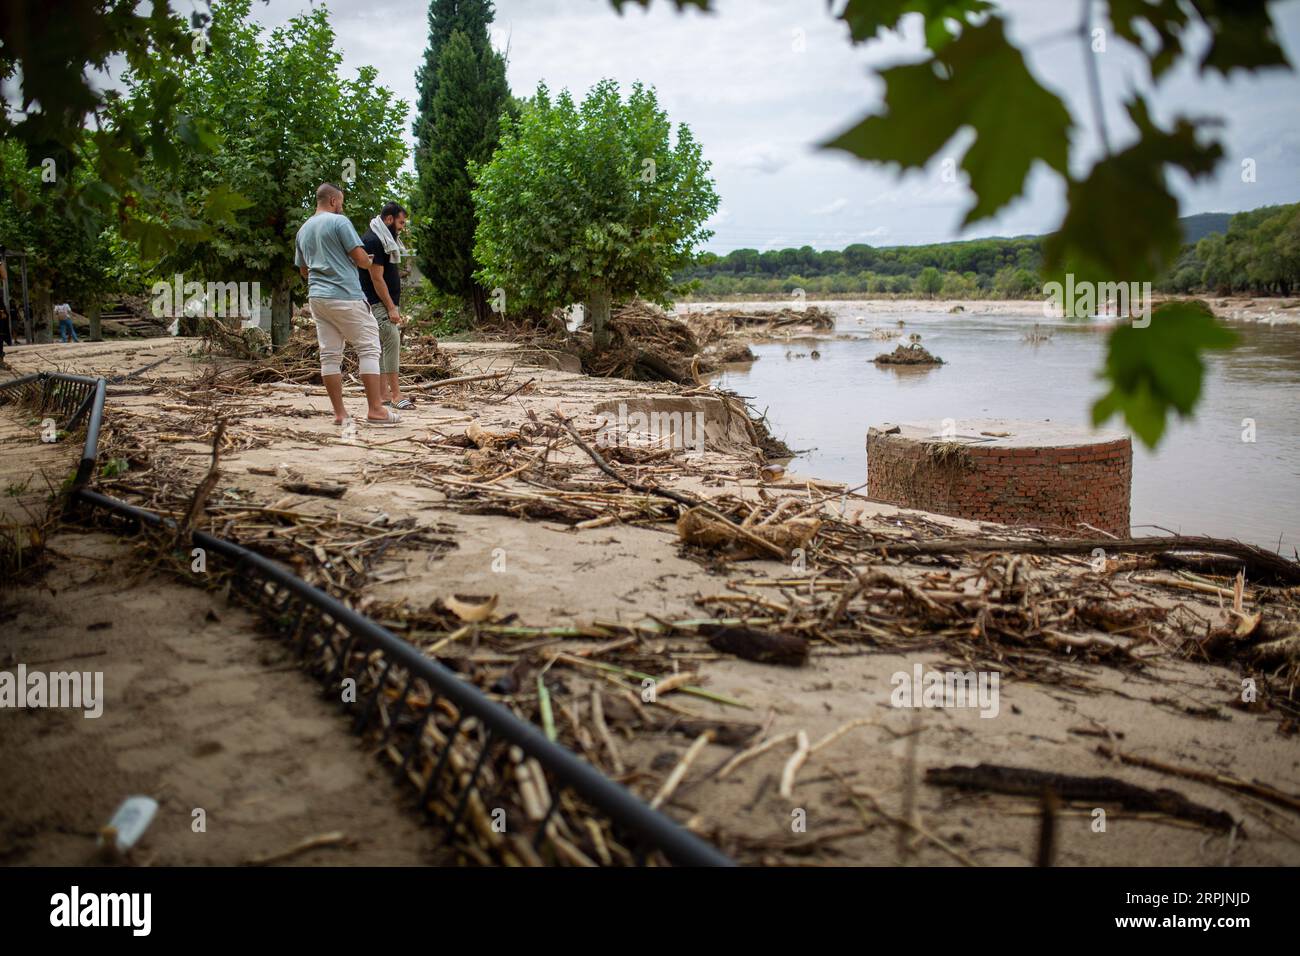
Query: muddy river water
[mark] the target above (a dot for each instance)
(1204, 478)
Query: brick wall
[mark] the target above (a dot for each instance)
(1055, 487)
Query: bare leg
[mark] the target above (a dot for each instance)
(374, 397)
(334, 388)
(394, 391)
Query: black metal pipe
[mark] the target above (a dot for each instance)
(22, 380)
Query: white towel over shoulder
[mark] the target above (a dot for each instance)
(392, 245)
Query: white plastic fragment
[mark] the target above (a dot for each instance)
(129, 823)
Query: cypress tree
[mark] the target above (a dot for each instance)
(462, 93)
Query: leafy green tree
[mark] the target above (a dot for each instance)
(68, 258)
(929, 281)
(1259, 253)
(462, 95)
(1185, 279)
(591, 204)
(289, 123)
(54, 58)
(1011, 282)
(958, 286)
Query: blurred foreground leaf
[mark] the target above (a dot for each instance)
(978, 81)
(1158, 369)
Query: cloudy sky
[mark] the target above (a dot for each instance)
(760, 82)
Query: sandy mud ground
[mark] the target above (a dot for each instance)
(200, 713)
(207, 715)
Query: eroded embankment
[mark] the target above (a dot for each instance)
(578, 576)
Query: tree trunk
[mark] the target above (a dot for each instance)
(598, 303)
(478, 298)
(42, 329)
(93, 309)
(281, 315)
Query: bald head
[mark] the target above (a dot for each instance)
(329, 197)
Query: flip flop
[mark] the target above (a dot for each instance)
(405, 404)
(392, 419)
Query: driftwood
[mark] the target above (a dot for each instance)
(1256, 560)
(458, 380)
(200, 499)
(705, 528)
(320, 489)
(765, 647)
(1260, 790)
(1025, 782)
(677, 496)
(1047, 829)
(656, 368)
(604, 466)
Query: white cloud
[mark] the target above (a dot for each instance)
(719, 218)
(762, 158)
(832, 208)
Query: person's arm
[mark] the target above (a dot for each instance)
(352, 242)
(300, 261)
(381, 290)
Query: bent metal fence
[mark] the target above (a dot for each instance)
(500, 791)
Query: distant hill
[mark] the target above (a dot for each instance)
(1198, 227)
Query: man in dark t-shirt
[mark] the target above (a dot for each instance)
(382, 286)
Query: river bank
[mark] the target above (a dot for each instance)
(1266, 309)
(481, 530)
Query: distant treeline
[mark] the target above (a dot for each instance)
(1259, 254)
(1005, 268)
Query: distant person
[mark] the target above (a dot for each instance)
(328, 253)
(63, 312)
(382, 284)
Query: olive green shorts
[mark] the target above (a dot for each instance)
(390, 341)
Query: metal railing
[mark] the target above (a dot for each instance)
(71, 397)
(460, 749)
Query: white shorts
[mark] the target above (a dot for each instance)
(345, 321)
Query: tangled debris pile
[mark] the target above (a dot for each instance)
(761, 324)
(299, 360)
(912, 353)
(648, 344)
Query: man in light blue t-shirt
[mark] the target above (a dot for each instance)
(328, 252)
